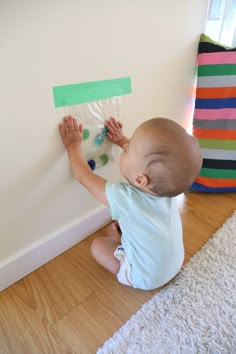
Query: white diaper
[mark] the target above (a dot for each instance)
(124, 274)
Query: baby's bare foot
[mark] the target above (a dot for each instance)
(113, 232)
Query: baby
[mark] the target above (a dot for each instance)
(144, 246)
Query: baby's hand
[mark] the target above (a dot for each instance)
(114, 127)
(70, 131)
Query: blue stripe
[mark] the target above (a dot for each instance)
(215, 103)
(196, 187)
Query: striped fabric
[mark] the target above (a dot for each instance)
(214, 122)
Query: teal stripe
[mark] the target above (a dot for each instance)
(216, 81)
(216, 69)
(217, 144)
(68, 95)
(217, 173)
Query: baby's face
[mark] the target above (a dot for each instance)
(131, 157)
(128, 164)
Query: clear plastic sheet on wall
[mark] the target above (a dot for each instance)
(91, 104)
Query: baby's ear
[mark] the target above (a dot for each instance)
(142, 180)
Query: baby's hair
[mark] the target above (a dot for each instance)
(172, 157)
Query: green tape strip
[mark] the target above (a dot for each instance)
(68, 95)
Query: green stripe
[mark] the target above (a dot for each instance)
(217, 144)
(217, 173)
(217, 69)
(68, 95)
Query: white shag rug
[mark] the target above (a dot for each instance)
(195, 313)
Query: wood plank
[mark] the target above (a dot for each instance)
(53, 289)
(99, 316)
(23, 329)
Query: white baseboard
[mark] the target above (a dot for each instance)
(39, 253)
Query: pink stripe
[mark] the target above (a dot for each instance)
(217, 58)
(212, 114)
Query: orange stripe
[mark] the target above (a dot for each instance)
(221, 134)
(216, 182)
(215, 92)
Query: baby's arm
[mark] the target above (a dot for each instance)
(72, 135)
(115, 134)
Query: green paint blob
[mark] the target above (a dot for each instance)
(86, 134)
(104, 159)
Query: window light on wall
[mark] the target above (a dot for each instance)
(220, 22)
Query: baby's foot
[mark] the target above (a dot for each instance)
(113, 231)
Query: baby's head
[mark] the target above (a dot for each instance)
(161, 158)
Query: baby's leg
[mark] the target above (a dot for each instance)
(102, 250)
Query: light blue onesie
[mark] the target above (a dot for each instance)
(151, 234)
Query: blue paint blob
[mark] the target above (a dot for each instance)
(99, 139)
(92, 164)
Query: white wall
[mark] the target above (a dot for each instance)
(55, 42)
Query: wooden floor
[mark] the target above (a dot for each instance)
(72, 305)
